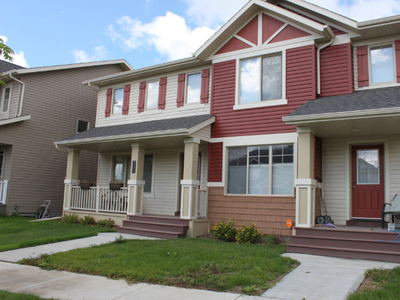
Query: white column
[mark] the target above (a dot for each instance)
(135, 182)
(71, 177)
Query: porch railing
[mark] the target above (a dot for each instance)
(202, 207)
(99, 199)
(3, 191)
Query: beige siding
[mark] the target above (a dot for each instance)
(394, 171)
(170, 111)
(55, 100)
(104, 169)
(334, 178)
(203, 134)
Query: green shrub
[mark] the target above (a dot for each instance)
(248, 235)
(273, 239)
(88, 220)
(71, 219)
(225, 232)
(106, 223)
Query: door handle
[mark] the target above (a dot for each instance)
(354, 186)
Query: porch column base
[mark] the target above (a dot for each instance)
(189, 198)
(135, 197)
(305, 202)
(68, 184)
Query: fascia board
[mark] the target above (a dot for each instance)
(379, 22)
(70, 66)
(274, 10)
(125, 137)
(340, 116)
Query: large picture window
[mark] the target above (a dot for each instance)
(261, 79)
(382, 64)
(261, 170)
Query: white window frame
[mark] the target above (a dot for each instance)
(270, 169)
(2, 95)
(187, 85)
(382, 44)
(112, 99)
(272, 102)
(147, 94)
(82, 120)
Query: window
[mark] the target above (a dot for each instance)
(261, 79)
(261, 170)
(368, 166)
(82, 126)
(118, 99)
(193, 88)
(152, 94)
(382, 64)
(122, 168)
(6, 100)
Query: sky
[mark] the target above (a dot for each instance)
(143, 32)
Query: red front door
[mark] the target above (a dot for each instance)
(367, 181)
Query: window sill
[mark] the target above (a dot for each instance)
(261, 104)
(14, 120)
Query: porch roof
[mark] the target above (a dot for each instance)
(362, 113)
(158, 129)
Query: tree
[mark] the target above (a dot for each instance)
(5, 52)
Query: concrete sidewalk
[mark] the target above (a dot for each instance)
(316, 278)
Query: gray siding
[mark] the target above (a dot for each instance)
(55, 100)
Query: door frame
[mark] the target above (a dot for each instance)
(348, 166)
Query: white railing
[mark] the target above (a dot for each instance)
(202, 207)
(99, 199)
(3, 191)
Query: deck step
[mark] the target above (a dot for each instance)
(155, 226)
(347, 242)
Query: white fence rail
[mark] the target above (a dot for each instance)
(99, 199)
(3, 191)
(202, 207)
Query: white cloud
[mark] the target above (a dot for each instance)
(18, 56)
(169, 35)
(100, 53)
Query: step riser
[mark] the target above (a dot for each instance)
(151, 219)
(356, 235)
(174, 228)
(345, 254)
(347, 244)
(149, 234)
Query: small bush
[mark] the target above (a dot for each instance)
(119, 240)
(88, 220)
(70, 219)
(106, 223)
(248, 235)
(225, 232)
(273, 239)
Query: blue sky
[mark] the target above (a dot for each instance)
(144, 32)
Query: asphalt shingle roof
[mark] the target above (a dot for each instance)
(144, 127)
(359, 100)
(7, 66)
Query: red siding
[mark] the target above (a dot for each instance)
(289, 33)
(215, 162)
(270, 26)
(250, 31)
(300, 87)
(337, 70)
(233, 45)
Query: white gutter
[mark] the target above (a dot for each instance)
(22, 94)
(58, 148)
(330, 32)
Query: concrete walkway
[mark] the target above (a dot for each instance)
(316, 278)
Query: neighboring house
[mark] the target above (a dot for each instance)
(284, 96)
(37, 107)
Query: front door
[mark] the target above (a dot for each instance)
(367, 181)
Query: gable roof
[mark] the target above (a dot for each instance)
(7, 66)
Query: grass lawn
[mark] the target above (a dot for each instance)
(20, 296)
(192, 263)
(379, 284)
(18, 232)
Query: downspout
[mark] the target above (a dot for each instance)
(322, 47)
(21, 101)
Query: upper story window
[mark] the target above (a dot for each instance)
(382, 64)
(5, 100)
(261, 79)
(193, 88)
(82, 126)
(153, 88)
(118, 99)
